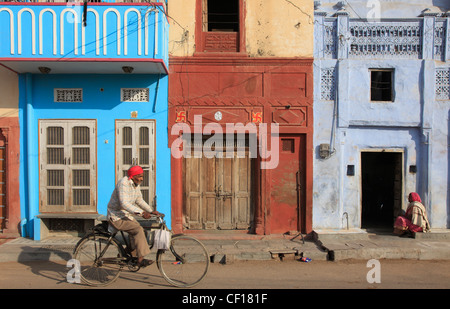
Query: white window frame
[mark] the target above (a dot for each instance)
(147, 163)
(68, 166)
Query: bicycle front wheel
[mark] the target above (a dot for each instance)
(96, 270)
(186, 263)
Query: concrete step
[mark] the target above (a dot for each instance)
(383, 244)
(434, 234)
(359, 234)
(339, 234)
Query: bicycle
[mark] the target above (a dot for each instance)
(102, 257)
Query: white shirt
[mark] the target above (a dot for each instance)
(126, 201)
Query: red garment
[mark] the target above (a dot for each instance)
(414, 197)
(405, 224)
(134, 170)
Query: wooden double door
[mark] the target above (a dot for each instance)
(218, 193)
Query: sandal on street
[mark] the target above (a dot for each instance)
(145, 263)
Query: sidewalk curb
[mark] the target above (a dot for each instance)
(359, 244)
(325, 246)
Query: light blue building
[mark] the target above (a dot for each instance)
(93, 101)
(381, 112)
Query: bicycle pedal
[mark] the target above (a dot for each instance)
(133, 260)
(133, 265)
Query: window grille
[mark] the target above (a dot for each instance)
(63, 225)
(330, 39)
(440, 34)
(328, 84)
(222, 15)
(68, 95)
(443, 84)
(135, 95)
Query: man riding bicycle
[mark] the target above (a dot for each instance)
(126, 201)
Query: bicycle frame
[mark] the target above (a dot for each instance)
(111, 236)
(126, 256)
(104, 240)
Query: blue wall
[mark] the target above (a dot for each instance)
(111, 31)
(101, 101)
(414, 123)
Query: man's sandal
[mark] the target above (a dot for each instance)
(145, 263)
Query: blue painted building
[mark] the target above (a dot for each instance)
(381, 116)
(93, 95)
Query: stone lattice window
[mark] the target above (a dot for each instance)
(399, 40)
(328, 84)
(443, 84)
(440, 34)
(330, 39)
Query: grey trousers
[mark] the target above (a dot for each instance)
(136, 233)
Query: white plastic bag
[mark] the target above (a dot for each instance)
(162, 239)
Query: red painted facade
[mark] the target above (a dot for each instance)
(9, 188)
(223, 85)
(251, 90)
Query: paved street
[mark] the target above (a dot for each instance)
(288, 274)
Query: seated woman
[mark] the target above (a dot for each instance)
(415, 219)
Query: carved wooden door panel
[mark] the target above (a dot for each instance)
(218, 193)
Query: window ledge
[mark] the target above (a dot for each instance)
(68, 216)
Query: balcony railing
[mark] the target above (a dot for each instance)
(421, 38)
(57, 31)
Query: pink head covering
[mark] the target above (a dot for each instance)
(135, 170)
(414, 197)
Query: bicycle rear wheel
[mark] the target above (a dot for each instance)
(97, 271)
(186, 263)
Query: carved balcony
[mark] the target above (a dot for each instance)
(420, 38)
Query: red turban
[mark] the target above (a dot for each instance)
(135, 170)
(414, 197)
